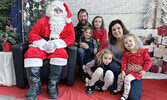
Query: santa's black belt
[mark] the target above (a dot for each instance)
(49, 38)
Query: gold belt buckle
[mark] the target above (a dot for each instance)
(51, 38)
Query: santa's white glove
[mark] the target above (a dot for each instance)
(50, 47)
(45, 46)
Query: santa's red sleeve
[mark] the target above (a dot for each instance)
(39, 30)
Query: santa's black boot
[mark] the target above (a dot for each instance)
(33, 77)
(54, 77)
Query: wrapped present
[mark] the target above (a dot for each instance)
(162, 31)
(160, 51)
(157, 65)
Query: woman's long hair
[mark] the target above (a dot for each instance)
(111, 38)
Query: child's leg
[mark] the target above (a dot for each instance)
(119, 82)
(108, 79)
(96, 76)
(89, 56)
(127, 85)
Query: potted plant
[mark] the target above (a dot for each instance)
(8, 38)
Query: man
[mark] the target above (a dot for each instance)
(83, 22)
(48, 38)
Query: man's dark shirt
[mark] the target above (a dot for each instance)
(78, 32)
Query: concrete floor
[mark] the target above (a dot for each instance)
(2, 97)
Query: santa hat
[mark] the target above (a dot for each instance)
(63, 6)
(68, 19)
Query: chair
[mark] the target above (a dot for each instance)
(68, 73)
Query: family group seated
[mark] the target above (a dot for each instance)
(106, 60)
(111, 62)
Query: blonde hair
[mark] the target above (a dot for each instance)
(123, 48)
(84, 30)
(99, 56)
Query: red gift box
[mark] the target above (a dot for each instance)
(162, 30)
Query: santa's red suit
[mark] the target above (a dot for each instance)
(58, 27)
(36, 54)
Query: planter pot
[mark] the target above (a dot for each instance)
(7, 47)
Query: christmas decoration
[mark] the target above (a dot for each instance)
(4, 13)
(162, 31)
(156, 15)
(32, 11)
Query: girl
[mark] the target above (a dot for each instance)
(100, 34)
(132, 54)
(91, 47)
(100, 64)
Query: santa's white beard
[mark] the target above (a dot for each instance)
(57, 22)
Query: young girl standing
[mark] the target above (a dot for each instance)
(132, 55)
(100, 34)
(100, 64)
(91, 47)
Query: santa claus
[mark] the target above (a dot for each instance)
(48, 38)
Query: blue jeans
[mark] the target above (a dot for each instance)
(80, 58)
(136, 85)
(115, 68)
(83, 57)
(136, 90)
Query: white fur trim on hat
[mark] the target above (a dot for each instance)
(58, 4)
(68, 20)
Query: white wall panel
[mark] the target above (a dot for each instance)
(131, 12)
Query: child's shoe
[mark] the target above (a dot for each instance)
(114, 92)
(89, 90)
(122, 98)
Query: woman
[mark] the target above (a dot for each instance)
(116, 31)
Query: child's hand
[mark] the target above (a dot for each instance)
(142, 73)
(84, 45)
(123, 75)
